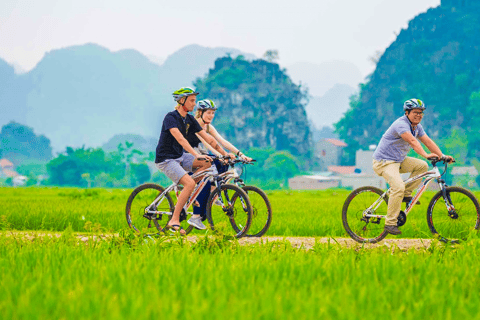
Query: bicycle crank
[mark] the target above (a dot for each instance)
(402, 218)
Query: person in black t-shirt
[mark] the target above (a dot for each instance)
(171, 154)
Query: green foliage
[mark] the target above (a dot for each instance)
(457, 145)
(32, 168)
(272, 169)
(260, 106)
(67, 168)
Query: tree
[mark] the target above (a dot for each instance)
(68, 168)
(282, 165)
(271, 56)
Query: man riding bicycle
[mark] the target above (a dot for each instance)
(175, 157)
(390, 158)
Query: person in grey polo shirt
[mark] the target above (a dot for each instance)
(390, 158)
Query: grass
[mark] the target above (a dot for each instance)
(125, 278)
(295, 213)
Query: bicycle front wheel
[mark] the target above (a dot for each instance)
(136, 210)
(261, 211)
(455, 217)
(232, 214)
(364, 229)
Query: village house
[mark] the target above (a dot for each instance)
(7, 169)
(329, 152)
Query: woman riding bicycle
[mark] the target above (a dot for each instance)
(204, 115)
(390, 158)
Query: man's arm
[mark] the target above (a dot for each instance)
(432, 146)
(408, 137)
(211, 141)
(183, 142)
(208, 146)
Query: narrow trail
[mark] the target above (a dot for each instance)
(306, 243)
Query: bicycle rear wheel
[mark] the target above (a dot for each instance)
(137, 203)
(234, 217)
(261, 211)
(457, 221)
(362, 229)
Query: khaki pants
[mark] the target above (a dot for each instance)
(390, 171)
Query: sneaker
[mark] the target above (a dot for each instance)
(196, 221)
(218, 202)
(393, 230)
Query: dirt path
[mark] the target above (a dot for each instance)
(297, 242)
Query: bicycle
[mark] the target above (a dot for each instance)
(150, 202)
(364, 210)
(262, 209)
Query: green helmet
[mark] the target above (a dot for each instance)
(183, 92)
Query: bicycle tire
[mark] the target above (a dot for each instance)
(261, 211)
(352, 213)
(236, 214)
(139, 199)
(453, 224)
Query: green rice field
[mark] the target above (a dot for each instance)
(129, 277)
(295, 213)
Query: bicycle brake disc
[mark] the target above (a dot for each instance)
(402, 218)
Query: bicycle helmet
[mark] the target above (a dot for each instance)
(414, 104)
(206, 105)
(183, 92)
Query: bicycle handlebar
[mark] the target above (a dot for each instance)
(229, 160)
(435, 160)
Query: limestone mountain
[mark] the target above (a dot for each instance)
(259, 105)
(435, 59)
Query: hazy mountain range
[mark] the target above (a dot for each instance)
(86, 94)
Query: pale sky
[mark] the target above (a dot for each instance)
(302, 30)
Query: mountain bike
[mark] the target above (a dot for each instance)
(150, 207)
(452, 218)
(261, 207)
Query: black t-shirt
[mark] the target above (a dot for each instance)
(192, 138)
(168, 147)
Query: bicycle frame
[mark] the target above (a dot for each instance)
(428, 176)
(205, 175)
(208, 175)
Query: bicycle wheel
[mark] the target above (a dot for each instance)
(137, 203)
(261, 211)
(234, 217)
(455, 222)
(361, 229)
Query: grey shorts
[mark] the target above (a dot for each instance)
(175, 169)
